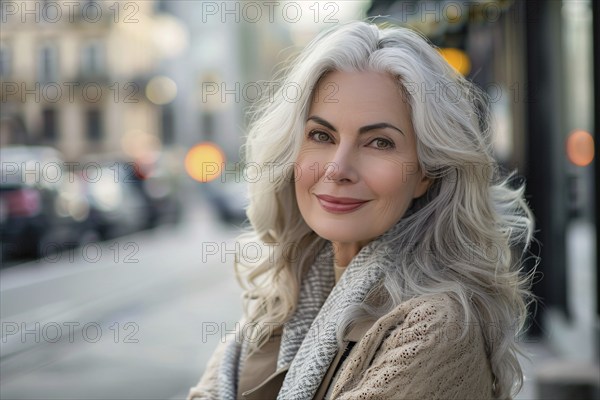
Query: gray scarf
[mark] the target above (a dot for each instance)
(309, 343)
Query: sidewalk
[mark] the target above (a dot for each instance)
(540, 352)
(559, 374)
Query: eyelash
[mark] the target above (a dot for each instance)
(312, 134)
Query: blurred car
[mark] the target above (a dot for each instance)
(229, 199)
(159, 185)
(117, 207)
(147, 195)
(42, 206)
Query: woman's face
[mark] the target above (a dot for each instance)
(359, 144)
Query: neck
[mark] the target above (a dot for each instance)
(345, 252)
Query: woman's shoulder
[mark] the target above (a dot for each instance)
(436, 318)
(426, 323)
(438, 308)
(423, 348)
(439, 302)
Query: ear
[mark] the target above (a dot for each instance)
(422, 186)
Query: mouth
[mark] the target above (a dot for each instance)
(339, 205)
(340, 200)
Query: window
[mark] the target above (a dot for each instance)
(92, 59)
(48, 64)
(162, 6)
(168, 125)
(5, 60)
(49, 124)
(94, 125)
(208, 125)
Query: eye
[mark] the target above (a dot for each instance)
(383, 144)
(318, 136)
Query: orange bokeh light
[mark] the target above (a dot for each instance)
(457, 58)
(580, 148)
(204, 162)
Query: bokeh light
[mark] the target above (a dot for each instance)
(204, 161)
(457, 58)
(161, 90)
(580, 148)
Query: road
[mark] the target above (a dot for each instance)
(132, 318)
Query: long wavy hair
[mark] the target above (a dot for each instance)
(467, 236)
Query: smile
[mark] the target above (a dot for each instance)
(338, 208)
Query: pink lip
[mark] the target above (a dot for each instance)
(338, 207)
(340, 200)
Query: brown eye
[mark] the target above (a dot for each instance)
(383, 144)
(319, 136)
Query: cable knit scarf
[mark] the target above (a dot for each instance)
(309, 341)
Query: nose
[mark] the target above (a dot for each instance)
(343, 166)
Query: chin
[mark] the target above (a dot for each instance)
(342, 233)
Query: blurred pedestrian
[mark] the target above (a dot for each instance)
(394, 268)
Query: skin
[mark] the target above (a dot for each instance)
(379, 165)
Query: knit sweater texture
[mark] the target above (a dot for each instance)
(423, 349)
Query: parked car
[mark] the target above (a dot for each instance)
(126, 197)
(117, 208)
(229, 199)
(42, 205)
(159, 186)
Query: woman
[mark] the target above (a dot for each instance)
(393, 268)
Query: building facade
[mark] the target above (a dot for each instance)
(74, 74)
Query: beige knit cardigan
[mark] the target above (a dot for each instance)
(414, 352)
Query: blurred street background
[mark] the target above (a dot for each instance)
(123, 188)
(132, 318)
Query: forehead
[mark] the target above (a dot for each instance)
(364, 92)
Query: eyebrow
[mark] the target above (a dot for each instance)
(361, 130)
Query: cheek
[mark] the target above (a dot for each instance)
(300, 178)
(307, 173)
(392, 184)
(398, 172)
(382, 175)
